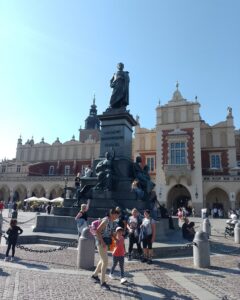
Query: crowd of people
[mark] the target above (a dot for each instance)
(111, 233)
(217, 212)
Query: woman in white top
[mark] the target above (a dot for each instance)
(148, 228)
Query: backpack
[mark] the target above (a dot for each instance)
(94, 225)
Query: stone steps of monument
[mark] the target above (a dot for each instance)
(58, 242)
(167, 251)
(172, 251)
(49, 240)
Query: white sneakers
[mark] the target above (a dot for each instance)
(9, 258)
(123, 280)
(111, 276)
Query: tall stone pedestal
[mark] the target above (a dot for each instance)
(116, 133)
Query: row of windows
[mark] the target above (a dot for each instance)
(51, 171)
(178, 156)
(18, 170)
(67, 170)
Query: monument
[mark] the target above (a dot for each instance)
(115, 168)
(114, 171)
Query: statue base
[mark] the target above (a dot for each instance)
(116, 132)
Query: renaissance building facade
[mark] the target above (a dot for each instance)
(192, 163)
(43, 169)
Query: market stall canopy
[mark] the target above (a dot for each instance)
(59, 199)
(43, 199)
(31, 199)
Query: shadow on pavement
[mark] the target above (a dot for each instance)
(124, 291)
(176, 268)
(218, 247)
(32, 265)
(226, 270)
(167, 293)
(2, 273)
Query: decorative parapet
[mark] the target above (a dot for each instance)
(178, 172)
(35, 178)
(221, 178)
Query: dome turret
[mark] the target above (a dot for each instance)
(92, 121)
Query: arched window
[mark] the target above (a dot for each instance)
(67, 170)
(51, 170)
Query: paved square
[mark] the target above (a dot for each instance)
(54, 275)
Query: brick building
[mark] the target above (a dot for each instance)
(192, 163)
(41, 169)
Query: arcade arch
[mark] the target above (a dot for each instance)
(178, 196)
(56, 191)
(217, 197)
(4, 193)
(19, 193)
(38, 191)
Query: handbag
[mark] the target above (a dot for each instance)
(142, 234)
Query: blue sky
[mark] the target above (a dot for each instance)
(54, 55)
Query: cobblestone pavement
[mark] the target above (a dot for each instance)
(54, 275)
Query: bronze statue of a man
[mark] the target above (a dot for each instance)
(120, 85)
(104, 172)
(142, 175)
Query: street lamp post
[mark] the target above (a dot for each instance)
(66, 181)
(66, 185)
(196, 193)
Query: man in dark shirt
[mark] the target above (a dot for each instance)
(77, 181)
